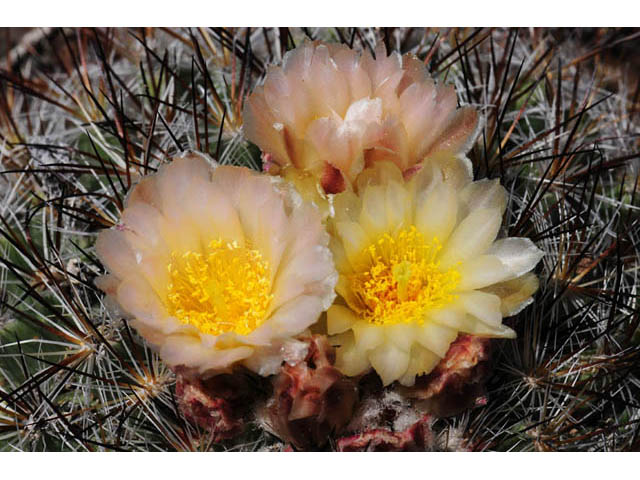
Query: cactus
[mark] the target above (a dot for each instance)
(84, 113)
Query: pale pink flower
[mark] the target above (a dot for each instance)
(218, 266)
(330, 111)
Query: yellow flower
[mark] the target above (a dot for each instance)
(328, 112)
(419, 263)
(218, 266)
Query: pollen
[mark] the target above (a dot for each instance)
(225, 289)
(398, 279)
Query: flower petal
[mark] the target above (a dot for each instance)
(390, 362)
(114, 251)
(188, 350)
(481, 271)
(354, 239)
(484, 193)
(435, 337)
(515, 294)
(367, 335)
(436, 212)
(473, 236)
(421, 361)
(340, 319)
(519, 255)
(350, 360)
(484, 306)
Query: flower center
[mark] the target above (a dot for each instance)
(398, 279)
(226, 289)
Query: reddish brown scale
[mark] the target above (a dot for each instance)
(312, 399)
(221, 404)
(457, 382)
(418, 437)
(332, 180)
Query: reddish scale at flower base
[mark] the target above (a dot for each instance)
(311, 399)
(457, 382)
(416, 438)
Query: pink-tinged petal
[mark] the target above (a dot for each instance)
(108, 284)
(417, 107)
(277, 86)
(459, 136)
(151, 334)
(304, 115)
(137, 298)
(310, 272)
(188, 350)
(114, 251)
(393, 145)
(289, 319)
(141, 226)
(199, 203)
(414, 72)
(214, 215)
(145, 191)
(328, 84)
(260, 126)
(442, 111)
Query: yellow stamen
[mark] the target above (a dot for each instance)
(227, 289)
(398, 279)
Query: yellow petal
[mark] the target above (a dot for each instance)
(421, 362)
(484, 306)
(390, 362)
(367, 336)
(436, 212)
(436, 338)
(515, 294)
(373, 217)
(354, 239)
(340, 319)
(473, 236)
(481, 271)
(484, 193)
(402, 335)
